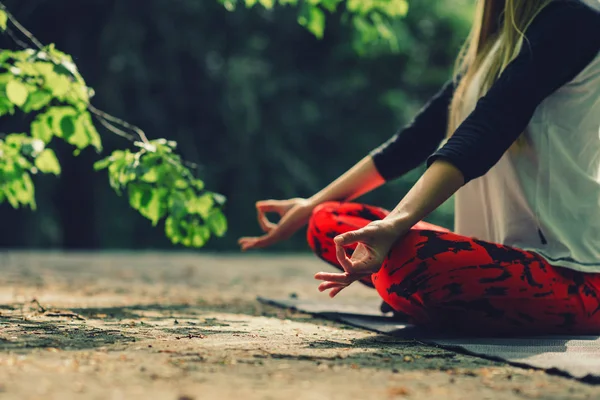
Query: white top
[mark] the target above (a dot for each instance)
(545, 197)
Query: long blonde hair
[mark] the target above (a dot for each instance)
(506, 20)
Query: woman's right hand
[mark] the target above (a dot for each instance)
(294, 214)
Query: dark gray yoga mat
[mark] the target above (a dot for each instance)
(578, 356)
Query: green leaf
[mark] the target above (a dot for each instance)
(21, 191)
(395, 8)
(102, 164)
(198, 184)
(26, 68)
(73, 128)
(28, 191)
(151, 176)
(85, 120)
(16, 92)
(12, 200)
(47, 162)
(200, 205)
(117, 164)
(167, 174)
(181, 184)
(217, 223)
(200, 235)
(57, 84)
(3, 19)
(177, 204)
(330, 5)
(41, 130)
(139, 195)
(37, 100)
(149, 201)
(172, 230)
(44, 68)
(67, 127)
(6, 107)
(156, 208)
(314, 21)
(54, 117)
(6, 77)
(266, 3)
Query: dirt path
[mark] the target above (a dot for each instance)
(185, 326)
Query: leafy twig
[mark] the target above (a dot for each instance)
(105, 118)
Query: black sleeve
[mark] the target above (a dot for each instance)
(411, 146)
(562, 40)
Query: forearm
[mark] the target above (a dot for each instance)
(438, 184)
(358, 180)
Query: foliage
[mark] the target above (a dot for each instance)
(160, 186)
(371, 19)
(20, 157)
(47, 84)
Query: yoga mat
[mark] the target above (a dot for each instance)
(577, 356)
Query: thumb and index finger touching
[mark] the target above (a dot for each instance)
(263, 207)
(351, 237)
(275, 206)
(363, 238)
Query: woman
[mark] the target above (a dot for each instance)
(523, 157)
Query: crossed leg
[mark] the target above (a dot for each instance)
(442, 279)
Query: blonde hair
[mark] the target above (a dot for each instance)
(506, 20)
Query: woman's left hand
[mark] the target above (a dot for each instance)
(374, 243)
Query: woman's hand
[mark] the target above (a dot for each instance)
(374, 243)
(294, 214)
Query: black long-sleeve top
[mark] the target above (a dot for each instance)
(561, 41)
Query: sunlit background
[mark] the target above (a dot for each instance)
(266, 109)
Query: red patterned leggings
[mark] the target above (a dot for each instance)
(442, 279)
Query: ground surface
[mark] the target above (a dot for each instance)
(185, 326)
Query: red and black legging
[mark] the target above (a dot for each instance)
(442, 279)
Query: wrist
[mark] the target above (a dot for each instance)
(309, 203)
(399, 223)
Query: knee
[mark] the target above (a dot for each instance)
(325, 208)
(319, 221)
(322, 214)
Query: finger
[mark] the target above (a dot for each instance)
(245, 240)
(342, 257)
(334, 277)
(246, 243)
(256, 242)
(366, 265)
(263, 221)
(330, 285)
(350, 237)
(265, 241)
(335, 291)
(268, 206)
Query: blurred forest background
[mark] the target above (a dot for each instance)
(265, 108)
